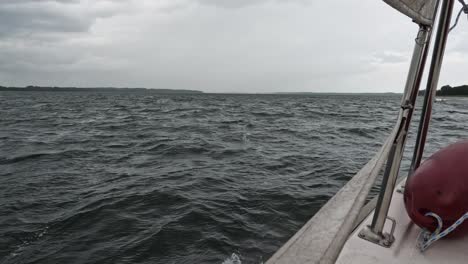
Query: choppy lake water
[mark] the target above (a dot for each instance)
(144, 178)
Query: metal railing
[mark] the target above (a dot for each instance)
(374, 232)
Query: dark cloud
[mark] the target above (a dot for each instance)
(28, 17)
(28, 20)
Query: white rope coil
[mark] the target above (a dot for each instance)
(426, 238)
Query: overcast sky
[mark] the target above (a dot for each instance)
(215, 45)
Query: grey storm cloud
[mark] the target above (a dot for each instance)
(54, 16)
(31, 19)
(213, 45)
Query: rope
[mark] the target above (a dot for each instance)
(464, 9)
(426, 238)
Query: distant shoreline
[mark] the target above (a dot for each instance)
(165, 91)
(444, 91)
(95, 89)
(449, 91)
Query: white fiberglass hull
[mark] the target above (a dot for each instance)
(404, 249)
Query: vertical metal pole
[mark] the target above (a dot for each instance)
(374, 232)
(433, 79)
(422, 42)
(394, 159)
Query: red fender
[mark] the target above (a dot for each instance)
(440, 185)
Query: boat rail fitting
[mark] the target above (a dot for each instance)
(385, 240)
(374, 232)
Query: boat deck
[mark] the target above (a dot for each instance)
(404, 249)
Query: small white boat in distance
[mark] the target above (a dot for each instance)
(346, 229)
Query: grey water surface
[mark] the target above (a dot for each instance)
(108, 177)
